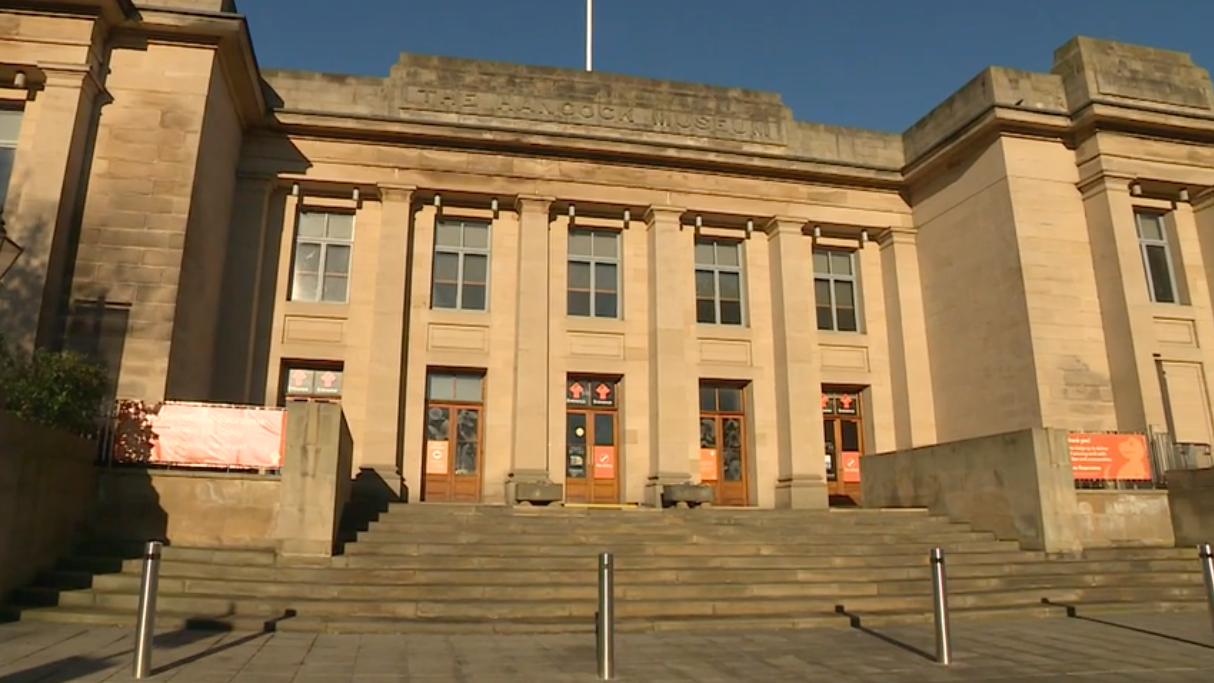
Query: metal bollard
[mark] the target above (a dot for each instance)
(145, 621)
(1207, 570)
(944, 637)
(604, 627)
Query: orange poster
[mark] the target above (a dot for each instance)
(437, 461)
(851, 467)
(604, 462)
(708, 464)
(1109, 457)
(204, 435)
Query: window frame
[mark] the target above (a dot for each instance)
(716, 269)
(593, 260)
(13, 145)
(461, 253)
(324, 242)
(831, 278)
(1144, 243)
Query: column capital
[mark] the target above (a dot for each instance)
(395, 193)
(785, 225)
(892, 236)
(533, 203)
(657, 212)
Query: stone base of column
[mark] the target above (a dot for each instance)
(802, 493)
(656, 484)
(533, 488)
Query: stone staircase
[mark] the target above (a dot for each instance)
(447, 568)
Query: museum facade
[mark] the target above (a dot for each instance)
(529, 283)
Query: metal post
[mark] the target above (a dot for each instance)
(944, 638)
(605, 618)
(1207, 570)
(145, 621)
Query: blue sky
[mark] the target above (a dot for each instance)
(878, 64)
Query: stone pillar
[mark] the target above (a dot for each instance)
(44, 194)
(914, 413)
(315, 482)
(421, 264)
(382, 427)
(801, 482)
(530, 480)
(673, 386)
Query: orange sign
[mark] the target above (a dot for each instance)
(1109, 457)
(708, 464)
(851, 467)
(604, 462)
(203, 435)
(437, 460)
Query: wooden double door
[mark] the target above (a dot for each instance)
(724, 457)
(843, 428)
(454, 436)
(592, 438)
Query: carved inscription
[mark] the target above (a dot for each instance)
(592, 113)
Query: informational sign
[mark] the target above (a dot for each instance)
(603, 394)
(1108, 457)
(604, 462)
(438, 460)
(840, 403)
(575, 455)
(208, 435)
(828, 407)
(708, 464)
(851, 467)
(577, 393)
(304, 382)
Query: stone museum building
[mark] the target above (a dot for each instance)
(530, 283)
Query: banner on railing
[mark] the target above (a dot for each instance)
(1110, 457)
(207, 435)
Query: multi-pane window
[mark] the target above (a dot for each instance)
(10, 127)
(835, 290)
(594, 273)
(323, 243)
(461, 265)
(718, 281)
(1156, 256)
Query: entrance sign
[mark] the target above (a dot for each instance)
(708, 464)
(604, 462)
(577, 393)
(438, 459)
(1109, 457)
(603, 395)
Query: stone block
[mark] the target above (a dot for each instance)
(686, 495)
(538, 493)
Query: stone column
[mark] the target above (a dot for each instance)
(315, 482)
(45, 191)
(421, 264)
(914, 414)
(530, 481)
(801, 482)
(673, 385)
(382, 427)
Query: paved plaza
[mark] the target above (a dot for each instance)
(1154, 648)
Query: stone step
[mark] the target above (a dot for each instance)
(632, 537)
(1141, 553)
(664, 521)
(788, 548)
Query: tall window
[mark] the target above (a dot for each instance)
(835, 290)
(461, 265)
(594, 273)
(323, 242)
(719, 281)
(10, 127)
(1156, 256)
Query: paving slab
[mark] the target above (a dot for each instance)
(1131, 648)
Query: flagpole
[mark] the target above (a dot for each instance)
(590, 35)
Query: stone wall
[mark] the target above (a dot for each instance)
(47, 485)
(202, 509)
(1109, 519)
(1191, 503)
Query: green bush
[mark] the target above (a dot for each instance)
(57, 389)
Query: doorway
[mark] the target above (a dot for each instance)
(454, 429)
(724, 461)
(592, 437)
(843, 428)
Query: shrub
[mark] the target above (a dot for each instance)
(57, 389)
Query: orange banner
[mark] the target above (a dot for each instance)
(1109, 457)
(851, 467)
(604, 462)
(708, 464)
(437, 460)
(200, 435)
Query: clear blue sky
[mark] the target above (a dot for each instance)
(878, 64)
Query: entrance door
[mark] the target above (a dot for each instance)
(843, 426)
(724, 462)
(591, 441)
(452, 466)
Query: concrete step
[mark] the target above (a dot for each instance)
(632, 536)
(1141, 553)
(789, 548)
